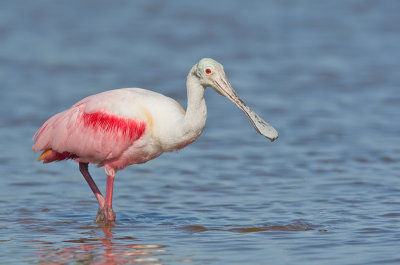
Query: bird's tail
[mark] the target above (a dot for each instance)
(49, 155)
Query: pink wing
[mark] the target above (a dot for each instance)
(93, 130)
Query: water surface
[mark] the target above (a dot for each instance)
(324, 74)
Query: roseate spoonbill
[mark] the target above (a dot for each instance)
(121, 127)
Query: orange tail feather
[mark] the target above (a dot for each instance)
(45, 154)
(49, 155)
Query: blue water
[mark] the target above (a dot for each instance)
(325, 74)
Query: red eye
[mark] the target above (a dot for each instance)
(208, 71)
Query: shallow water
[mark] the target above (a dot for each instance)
(324, 74)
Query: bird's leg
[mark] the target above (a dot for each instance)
(109, 193)
(83, 167)
(106, 214)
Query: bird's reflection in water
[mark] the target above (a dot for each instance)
(105, 249)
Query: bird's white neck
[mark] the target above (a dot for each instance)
(196, 112)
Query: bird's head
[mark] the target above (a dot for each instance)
(211, 74)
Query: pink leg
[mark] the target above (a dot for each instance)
(83, 167)
(109, 191)
(108, 211)
(106, 214)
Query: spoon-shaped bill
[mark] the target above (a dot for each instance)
(262, 127)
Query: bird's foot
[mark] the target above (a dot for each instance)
(105, 216)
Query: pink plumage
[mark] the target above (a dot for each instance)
(90, 131)
(101, 127)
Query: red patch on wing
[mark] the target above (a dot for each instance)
(130, 128)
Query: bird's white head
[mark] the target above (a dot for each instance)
(211, 74)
